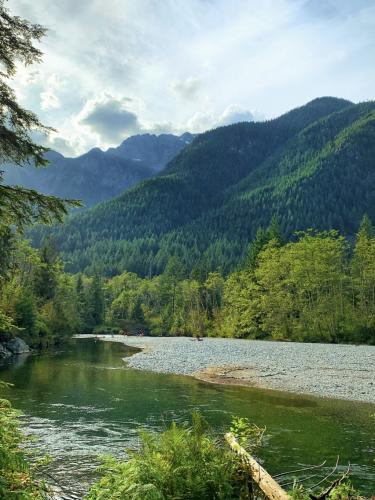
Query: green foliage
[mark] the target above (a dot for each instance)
(7, 327)
(248, 435)
(42, 304)
(183, 462)
(17, 480)
(262, 237)
(316, 288)
(26, 312)
(343, 491)
(366, 228)
(20, 206)
(312, 167)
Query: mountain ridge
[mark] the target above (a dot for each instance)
(98, 175)
(212, 197)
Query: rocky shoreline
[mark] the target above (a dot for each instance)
(13, 347)
(325, 370)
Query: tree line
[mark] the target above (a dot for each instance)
(318, 287)
(41, 303)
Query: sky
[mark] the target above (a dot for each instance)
(115, 68)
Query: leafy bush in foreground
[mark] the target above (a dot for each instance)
(16, 478)
(180, 463)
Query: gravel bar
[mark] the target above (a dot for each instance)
(336, 371)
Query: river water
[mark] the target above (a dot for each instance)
(83, 401)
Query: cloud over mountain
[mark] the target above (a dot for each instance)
(110, 118)
(190, 62)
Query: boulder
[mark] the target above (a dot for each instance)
(16, 346)
(4, 353)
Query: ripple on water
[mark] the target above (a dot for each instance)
(78, 412)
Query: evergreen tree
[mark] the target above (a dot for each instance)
(20, 206)
(255, 247)
(173, 274)
(366, 228)
(45, 275)
(274, 231)
(96, 298)
(262, 237)
(26, 313)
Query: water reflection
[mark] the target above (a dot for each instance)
(83, 402)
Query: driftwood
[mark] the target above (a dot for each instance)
(260, 476)
(335, 483)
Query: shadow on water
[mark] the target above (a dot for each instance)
(83, 401)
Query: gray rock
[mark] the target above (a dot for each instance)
(4, 352)
(16, 346)
(330, 370)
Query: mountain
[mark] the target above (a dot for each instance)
(154, 150)
(311, 167)
(100, 175)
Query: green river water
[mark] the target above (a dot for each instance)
(83, 401)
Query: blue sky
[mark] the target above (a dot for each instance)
(114, 68)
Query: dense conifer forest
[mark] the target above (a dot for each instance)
(318, 287)
(311, 168)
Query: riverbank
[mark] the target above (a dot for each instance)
(13, 347)
(327, 370)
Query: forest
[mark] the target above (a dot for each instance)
(252, 231)
(311, 167)
(318, 287)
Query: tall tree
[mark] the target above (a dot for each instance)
(97, 300)
(45, 275)
(366, 228)
(174, 272)
(262, 237)
(20, 206)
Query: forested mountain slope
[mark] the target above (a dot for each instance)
(312, 167)
(99, 175)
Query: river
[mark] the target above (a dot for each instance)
(83, 401)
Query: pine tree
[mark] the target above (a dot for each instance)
(366, 227)
(20, 206)
(45, 275)
(96, 297)
(26, 313)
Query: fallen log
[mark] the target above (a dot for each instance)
(260, 476)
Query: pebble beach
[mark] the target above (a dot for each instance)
(326, 370)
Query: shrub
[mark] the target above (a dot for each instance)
(183, 462)
(16, 478)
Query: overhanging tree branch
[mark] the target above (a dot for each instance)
(20, 206)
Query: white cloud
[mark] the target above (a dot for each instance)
(235, 114)
(61, 145)
(187, 88)
(271, 55)
(49, 99)
(206, 120)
